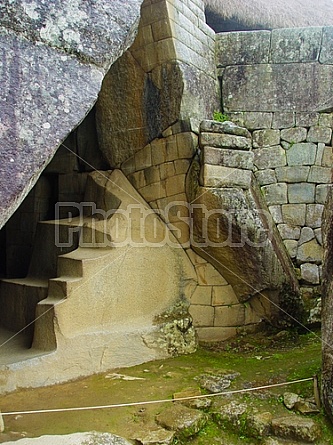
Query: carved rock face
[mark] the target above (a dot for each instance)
(53, 59)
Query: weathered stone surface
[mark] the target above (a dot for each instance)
(297, 428)
(296, 45)
(265, 177)
(319, 237)
(320, 134)
(276, 213)
(294, 135)
(47, 109)
(302, 154)
(237, 48)
(202, 296)
(327, 309)
(227, 127)
(235, 239)
(218, 176)
(228, 316)
(310, 252)
(202, 315)
(184, 421)
(326, 55)
(291, 246)
(310, 273)
(275, 193)
(223, 296)
(307, 119)
(289, 232)
(320, 175)
(307, 234)
(327, 157)
(214, 383)
(295, 173)
(228, 158)
(75, 439)
(225, 141)
(271, 157)
(314, 214)
(266, 138)
(242, 87)
(257, 120)
(301, 193)
(283, 120)
(294, 214)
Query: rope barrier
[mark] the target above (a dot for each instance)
(151, 402)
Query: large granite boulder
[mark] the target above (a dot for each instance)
(53, 60)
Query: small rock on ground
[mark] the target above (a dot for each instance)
(186, 422)
(296, 427)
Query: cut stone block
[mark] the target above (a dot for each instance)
(229, 315)
(296, 45)
(211, 334)
(265, 177)
(208, 275)
(310, 273)
(307, 234)
(218, 176)
(239, 48)
(225, 141)
(320, 134)
(276, 213)
(327, 158)
(283, 120)
(289, 232)
(186, 422)
(223, 295)
(319, 236)
(321, 193)
(202, 296)
(291, 246)
(228, 158)
(314, 214)
(226, 127)
(301, 154)
(320, 175)
(296, 173)
(310, 252)
(326, 55)
(326, 120)
(257, 120)
(294, 135)
(272, 157)
(275, 193)
(301, 193)
(294, 214)
(266, 138)
(202, 315)
(306, 119)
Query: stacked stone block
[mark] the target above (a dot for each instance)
(216, 311)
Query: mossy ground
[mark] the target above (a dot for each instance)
(260, 360)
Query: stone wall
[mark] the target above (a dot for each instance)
(168, 76)
(277, 84)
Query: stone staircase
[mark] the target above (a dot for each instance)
(97, 302)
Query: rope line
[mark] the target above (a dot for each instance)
(152, 402)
